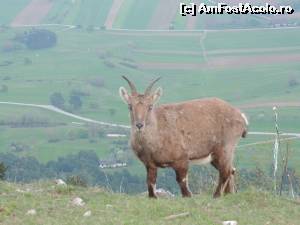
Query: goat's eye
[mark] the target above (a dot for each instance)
(150, 107)
(130, 107)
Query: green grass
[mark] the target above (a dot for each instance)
(140, 14)
(40, 145)
(53, 206)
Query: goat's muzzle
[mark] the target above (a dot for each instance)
(139, 125)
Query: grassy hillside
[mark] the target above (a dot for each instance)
(82, 57)
(53, 205)
(243, 67)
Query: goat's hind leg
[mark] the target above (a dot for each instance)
(230, 186)
(226, 177)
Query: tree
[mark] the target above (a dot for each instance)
(57, 100)
(37, 38)
(75, 102)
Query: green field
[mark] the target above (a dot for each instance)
(53, 205)
(79, 12)
(135, 14)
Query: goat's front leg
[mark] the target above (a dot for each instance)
(182, 179)
(151, 181)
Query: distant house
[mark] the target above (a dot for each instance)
(116, 135)
(106, 164)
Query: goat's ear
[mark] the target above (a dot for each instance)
(157, 94)
(124, 95)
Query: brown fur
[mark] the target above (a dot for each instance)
(174, 134)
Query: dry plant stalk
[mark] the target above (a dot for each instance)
(177, 215)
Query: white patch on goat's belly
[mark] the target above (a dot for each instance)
(202, 161)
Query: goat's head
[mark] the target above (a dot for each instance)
(140, 105)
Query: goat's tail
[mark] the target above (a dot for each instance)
(244, 134)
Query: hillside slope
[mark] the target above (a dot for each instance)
(53, 205)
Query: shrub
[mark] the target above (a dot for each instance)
(76, 181)
(37, 38)
(57, 100)
(293, 82)
(75, 102)
(2, 171)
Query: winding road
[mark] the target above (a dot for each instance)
(85, 119)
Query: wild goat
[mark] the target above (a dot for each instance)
(173, 135)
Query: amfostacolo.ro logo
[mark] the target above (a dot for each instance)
(242, 8)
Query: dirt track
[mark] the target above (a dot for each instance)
(33, 13)
(255, 105)
(113, 13)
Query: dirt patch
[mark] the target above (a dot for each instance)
(33, 13)
(164, 14)
(224, 62)
(113, 13)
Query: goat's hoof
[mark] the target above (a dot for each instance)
(152, 196)
(217, 195)
(187, 195)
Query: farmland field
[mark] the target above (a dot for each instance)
(10, 9)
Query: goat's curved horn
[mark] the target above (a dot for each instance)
(131, 85)
(148, 90)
